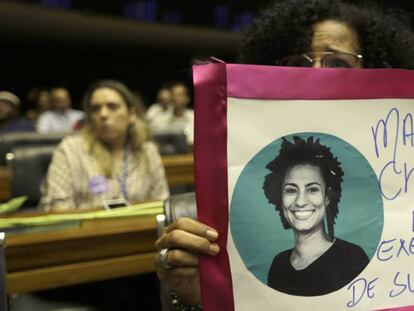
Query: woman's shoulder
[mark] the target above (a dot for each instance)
(281, 262)
(282, 256)
(343, 244)
(72, 139)
(150, 147)
(73, 143)
(349, 249)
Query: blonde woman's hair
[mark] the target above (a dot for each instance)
(138, 131)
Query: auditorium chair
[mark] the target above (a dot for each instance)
(11, 140)
(28, 165)
(171, 142)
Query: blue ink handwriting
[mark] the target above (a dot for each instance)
(389, 249)
(394, 128)
(402, 283)
(360, 288)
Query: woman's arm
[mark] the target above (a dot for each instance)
(57, 190)
(159, 186)
(185, 240)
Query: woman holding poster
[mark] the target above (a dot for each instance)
(311, 31)
(305, 187)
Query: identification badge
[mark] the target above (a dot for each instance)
(98, 184)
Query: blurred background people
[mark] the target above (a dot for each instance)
(141, 108)
(162, 105)
(38, 101)
(112, 157)
(181, 117)
(9, 114)
(62, 118)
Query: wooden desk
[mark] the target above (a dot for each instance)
(4, 183)
(98, 250)
(179, 170)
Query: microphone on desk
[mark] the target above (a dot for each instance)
(160, 224)
(3, 294)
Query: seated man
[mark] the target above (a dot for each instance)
(181, 117)
(9, 114)
(62, 118)
(161, 107)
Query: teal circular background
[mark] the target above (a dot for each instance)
(256, 227)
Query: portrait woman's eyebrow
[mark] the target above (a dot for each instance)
(305, 186)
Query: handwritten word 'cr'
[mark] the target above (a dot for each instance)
(396, 131)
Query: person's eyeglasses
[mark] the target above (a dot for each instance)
(326, 59)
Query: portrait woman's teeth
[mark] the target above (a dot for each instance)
(302, 215)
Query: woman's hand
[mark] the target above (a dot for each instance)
(185, 239)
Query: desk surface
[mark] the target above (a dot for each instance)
(97, 250)
(179, 170)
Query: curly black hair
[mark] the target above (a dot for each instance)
(285, 28)
(302, 152)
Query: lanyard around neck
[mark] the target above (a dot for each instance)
(123, 179)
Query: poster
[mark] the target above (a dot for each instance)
(308, 175)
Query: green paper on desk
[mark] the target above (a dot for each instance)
(12, 205)
(145, 209)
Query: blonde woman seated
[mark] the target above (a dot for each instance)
(113, 156)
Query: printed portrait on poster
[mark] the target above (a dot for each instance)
(308, 208)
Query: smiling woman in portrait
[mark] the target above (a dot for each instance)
(112, 158)
(305, 187)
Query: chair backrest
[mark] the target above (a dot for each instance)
(11, 140)
(29, 165)
(171, 142)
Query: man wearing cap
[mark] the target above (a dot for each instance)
(9, 114)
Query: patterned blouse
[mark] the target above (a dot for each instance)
(74, 180)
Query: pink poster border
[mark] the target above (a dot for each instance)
(210, 152)
(327, 83)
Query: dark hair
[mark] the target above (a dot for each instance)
(285, 28)
(302, 152)
(180, 84)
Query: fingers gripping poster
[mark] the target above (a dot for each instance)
(308, 176)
